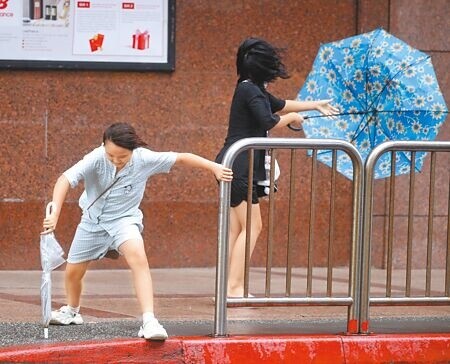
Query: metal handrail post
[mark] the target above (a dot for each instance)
(365, 250)
(354, 312)
(220, 316)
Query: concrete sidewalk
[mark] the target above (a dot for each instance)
(183, 303)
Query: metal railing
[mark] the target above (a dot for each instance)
(352, 300)
(411, 147)
(359, 298)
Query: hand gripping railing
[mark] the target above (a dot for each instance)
(366, 300)
(353, 301)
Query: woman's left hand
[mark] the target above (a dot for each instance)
(325, 107)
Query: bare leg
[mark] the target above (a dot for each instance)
(237, 248)
(235, 230)
(74, 282)
(134, 253)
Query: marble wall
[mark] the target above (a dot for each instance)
(50, 119)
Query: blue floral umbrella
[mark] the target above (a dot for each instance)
(385, 90)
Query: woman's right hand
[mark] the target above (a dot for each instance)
(50, 221)
(291, 118)
(297, 119)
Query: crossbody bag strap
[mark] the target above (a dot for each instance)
(110, 186)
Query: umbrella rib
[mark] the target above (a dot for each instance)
(348, 88)
(366, 109)
(368, 112)
(366, 61)
(360, 129)
(400, 153)
(376, 100)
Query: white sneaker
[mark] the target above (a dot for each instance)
(65, 316)
(153, 330)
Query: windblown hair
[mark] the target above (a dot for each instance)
(123, 135)
(259, 61)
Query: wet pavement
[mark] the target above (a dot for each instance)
(184, 305)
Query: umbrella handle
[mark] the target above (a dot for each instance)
(50, 207)
(294, 128)
(300, 128)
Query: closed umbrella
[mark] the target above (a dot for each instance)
(51, 258)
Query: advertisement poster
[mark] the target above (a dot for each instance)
(92, 34)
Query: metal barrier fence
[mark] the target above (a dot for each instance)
(359, 298)
(352, 299)
(411, 147)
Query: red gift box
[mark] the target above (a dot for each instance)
(96, 42)
(141, 40)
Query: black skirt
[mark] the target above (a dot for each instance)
(239, 191)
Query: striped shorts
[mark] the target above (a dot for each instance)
(92, 242)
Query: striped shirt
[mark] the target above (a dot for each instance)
(120, 204)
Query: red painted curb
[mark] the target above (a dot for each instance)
(264, 349)
(389, 348)
(116, 351)
(417, 348)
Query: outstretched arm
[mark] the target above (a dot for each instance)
(323, 106)
(293, 107)
(192, 160)
(59, 195)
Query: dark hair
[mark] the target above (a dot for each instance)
(123, 135)
(259, 61)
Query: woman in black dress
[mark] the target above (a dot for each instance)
(254, 111)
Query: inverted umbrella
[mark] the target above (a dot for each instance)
(51, 258)
(385, 90)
